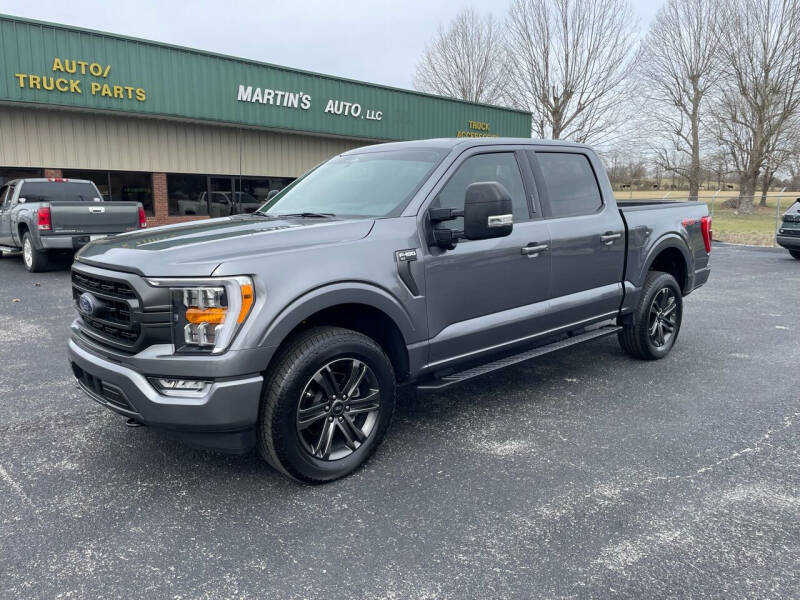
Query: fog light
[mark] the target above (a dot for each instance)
(179, 387)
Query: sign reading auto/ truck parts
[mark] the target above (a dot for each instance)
(67, 77)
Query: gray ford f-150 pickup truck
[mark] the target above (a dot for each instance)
(423, 263)
(40, 216)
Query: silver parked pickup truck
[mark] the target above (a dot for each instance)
(40, 216)
(422, 263)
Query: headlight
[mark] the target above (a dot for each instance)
(207, 313)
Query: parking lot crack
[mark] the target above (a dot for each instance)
(16, 488)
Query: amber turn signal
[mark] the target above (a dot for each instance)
(247, 302)
(214, 316)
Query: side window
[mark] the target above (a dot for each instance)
(3, 194)
(571, 184)
(499, 166)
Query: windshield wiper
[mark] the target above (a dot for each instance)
(308, 215)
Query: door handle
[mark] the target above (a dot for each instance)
(534, 250)
(608, 238)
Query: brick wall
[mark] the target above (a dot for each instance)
(161, 204)
(52, 173)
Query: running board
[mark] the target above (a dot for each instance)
(455, 378)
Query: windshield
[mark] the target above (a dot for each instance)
(58, 191)
(373, 184)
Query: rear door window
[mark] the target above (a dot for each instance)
(58, 191)
(571, 184)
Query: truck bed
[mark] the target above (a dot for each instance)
(653, 222)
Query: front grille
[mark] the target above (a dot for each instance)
(129, 315)
(116, 289)
(114, 317)
(790, 232)
(107, 391)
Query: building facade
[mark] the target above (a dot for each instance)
(193, 134)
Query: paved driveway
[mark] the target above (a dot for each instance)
(581, 474)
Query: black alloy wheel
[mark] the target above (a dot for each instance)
(663, 318)
(338, 409)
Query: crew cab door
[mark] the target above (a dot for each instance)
(587, 235)
(485, 293)
(6, 192)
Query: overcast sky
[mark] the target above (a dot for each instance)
(371, 40)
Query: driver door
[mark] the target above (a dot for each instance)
(484, 294)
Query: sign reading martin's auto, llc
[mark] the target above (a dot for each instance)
(46, 64)
(302, 101)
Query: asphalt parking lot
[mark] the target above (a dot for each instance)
(581, 474)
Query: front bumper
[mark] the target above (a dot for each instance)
(224, 417)
(788, 241)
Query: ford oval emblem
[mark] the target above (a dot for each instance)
(87, 303)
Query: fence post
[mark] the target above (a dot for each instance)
(778, 215)
(713, 201)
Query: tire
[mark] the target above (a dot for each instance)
(310, 378)
(33, 259)
(655, 327)
(795, 254)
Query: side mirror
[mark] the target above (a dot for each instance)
(487, 211)
(21, 200)
(272, 194)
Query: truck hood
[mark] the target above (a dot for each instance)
(197, 248)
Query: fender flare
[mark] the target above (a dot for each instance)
(15, 227)
(329, 295)
(665, 242)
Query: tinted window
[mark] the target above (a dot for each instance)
(9, 173)
(3, 194)
(187, 194)
(501, 167)
(571, 184)
(258, 188)
(58, 191)
(99, 178)
(370, 184)
(132, 187)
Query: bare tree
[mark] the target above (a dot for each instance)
(465, 60)
(568, 62)
(761, 52)
(678, 66)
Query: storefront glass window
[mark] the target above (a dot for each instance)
(99, 178)
(252, 191)
(132, 187)
(9, 173)
(187, 194)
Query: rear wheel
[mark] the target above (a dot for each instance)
(795, 254)
(657, 321)
(33, 259)
(327, 404)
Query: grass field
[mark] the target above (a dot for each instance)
(729, 226)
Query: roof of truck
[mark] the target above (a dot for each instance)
(50, 179)
(453, 143)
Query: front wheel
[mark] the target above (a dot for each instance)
(657, 320)
(795, 254)
(327, 404)
(33, 259)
